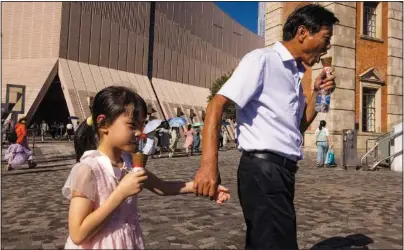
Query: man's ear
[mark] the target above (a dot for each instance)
(302, 33)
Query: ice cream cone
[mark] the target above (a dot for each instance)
(138, 160)
(326, 61)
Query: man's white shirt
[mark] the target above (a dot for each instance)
(266, 87)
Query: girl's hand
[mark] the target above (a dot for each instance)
(222, 194)
(132, 183)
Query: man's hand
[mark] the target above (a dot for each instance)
(206, 180)
(325, 82)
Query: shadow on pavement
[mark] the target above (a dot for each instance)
(38, 169)
(353, 241)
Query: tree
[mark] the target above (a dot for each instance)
(230, 110)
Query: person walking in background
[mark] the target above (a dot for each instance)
(53, 130)
(61, 129)
(189, 140)
(6, 129)
(44, 129)
(197, 140)
(323, 142)
(173, 141)
(235, 133)
(22, 139)
(21, 132)
(69, 130)
(164, 135)
(76, 125)
(220, 142)
(225, 137)
(34, 129)
(17, 154)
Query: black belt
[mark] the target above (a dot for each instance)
(266, 155)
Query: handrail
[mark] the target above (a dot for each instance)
(390, 156)
(375, 139)
(385, 139)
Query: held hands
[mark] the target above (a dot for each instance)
(325, 82)
(206, 180)
(222, 194)
(132, 183)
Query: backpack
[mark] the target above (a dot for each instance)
(12, 136)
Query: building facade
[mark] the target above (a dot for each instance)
(169, 52)
(368, 59)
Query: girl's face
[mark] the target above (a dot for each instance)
(123, 133)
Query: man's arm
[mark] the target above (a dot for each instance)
(210, 134)
(309, 113)
(323, 81)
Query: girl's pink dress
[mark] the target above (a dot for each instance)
(189, 140)
(96, 178)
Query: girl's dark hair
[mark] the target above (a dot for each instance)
(322, 124)
(110, 102)
(312, 16)
(189, 126)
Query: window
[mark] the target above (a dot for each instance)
(369, 110)
(370, 19)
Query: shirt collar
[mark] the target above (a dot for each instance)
(286, 56)
(283, 52)
(106, 162)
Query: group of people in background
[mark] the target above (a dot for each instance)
(57, 130)
(165, 139)
(18, 153)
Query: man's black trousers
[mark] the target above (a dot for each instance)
(266, 189)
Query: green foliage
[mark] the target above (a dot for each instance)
(230, 110)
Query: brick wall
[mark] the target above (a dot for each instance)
(371, 54)
(30, 46)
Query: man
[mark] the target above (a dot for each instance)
(6, 129)
(69, 130)
(44, 129)
(272, 112)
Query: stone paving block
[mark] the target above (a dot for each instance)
(328, 203)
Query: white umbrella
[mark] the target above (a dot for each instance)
(151, 126)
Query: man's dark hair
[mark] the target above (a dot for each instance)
(312, 16)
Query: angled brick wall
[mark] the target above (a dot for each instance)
(196, 42)
(30, 46)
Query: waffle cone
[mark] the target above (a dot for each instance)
(326, 61)
(139, 160)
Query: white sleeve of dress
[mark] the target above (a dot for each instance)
(81, 179)
(246, 80)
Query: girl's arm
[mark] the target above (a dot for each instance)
(160, 187)
(83, 221)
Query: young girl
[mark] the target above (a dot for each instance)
(102, 187)
(189, 140)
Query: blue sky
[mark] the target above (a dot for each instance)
(245, 13)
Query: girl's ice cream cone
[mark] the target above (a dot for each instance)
(138, 161)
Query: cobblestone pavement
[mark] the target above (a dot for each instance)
(346, 209)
